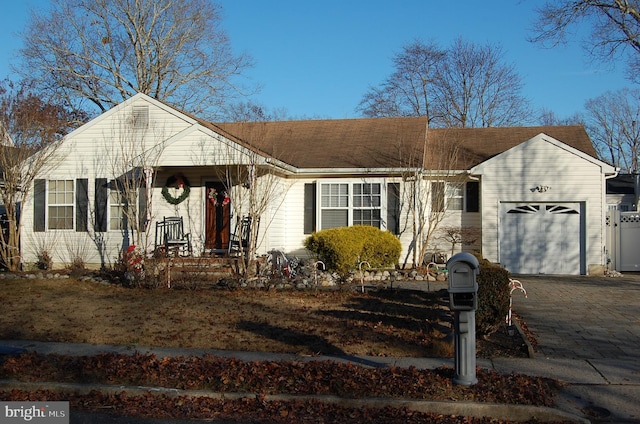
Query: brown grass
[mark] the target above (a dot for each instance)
(384, 322)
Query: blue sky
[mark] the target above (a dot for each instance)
(316, 59)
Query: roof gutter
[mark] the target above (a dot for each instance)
(282, 165)
(350, 171)
(613, 174)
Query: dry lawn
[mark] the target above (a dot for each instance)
(380, 323)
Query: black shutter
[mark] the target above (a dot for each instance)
(309, 208)
(142, 208)
(39, 199)
(393, 208)
(473, 196)
(437, 196)
(82, 204)
(102, 195)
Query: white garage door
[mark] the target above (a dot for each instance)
(540, 238)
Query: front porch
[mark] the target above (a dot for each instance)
(191, 272)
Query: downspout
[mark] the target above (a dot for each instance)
(636, 189)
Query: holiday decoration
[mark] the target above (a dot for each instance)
(178, 182)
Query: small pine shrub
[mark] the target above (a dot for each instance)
(341, 249)
(493, 297)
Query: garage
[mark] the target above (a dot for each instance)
(541, 238)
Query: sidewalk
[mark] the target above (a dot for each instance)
(511, 412)
(585, 379)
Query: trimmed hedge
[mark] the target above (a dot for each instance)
(342, 249)
(493, 297)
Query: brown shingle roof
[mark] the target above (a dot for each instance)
(480, 144)
(387, 142)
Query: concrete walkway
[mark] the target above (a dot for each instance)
(587, 329)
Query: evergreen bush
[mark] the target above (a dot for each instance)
(343, 248)
(493, 297)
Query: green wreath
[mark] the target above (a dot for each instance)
(176, 181)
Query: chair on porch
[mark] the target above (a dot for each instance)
(239, 240)
(171, 239)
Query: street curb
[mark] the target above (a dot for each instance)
(518, 413)
(530, 350)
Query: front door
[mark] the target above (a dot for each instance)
(217, 217)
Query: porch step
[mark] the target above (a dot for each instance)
(202, 268)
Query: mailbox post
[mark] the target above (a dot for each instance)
(463, 301)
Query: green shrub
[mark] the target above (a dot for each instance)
(343, 248)
(493, 297)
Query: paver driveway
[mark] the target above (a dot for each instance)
(582, 317)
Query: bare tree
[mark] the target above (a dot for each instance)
(409, 89)
(133, 164)
(252, 180)
(613, 122)
(253, 112)
(440, 184)
(29, 130)
(466, 85)
(549, 118)
(256, 188)
(455, 235)
(429, 191)
(476, 89)
(615, 27)
(105, 51)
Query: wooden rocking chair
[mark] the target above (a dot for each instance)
(239, 240)
(171, 239)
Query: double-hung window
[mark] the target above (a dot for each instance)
(350, 203)
(366, 204)
(455, 196)
(334, 203)
(117, 210)
(60, 204)
(447, 196)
